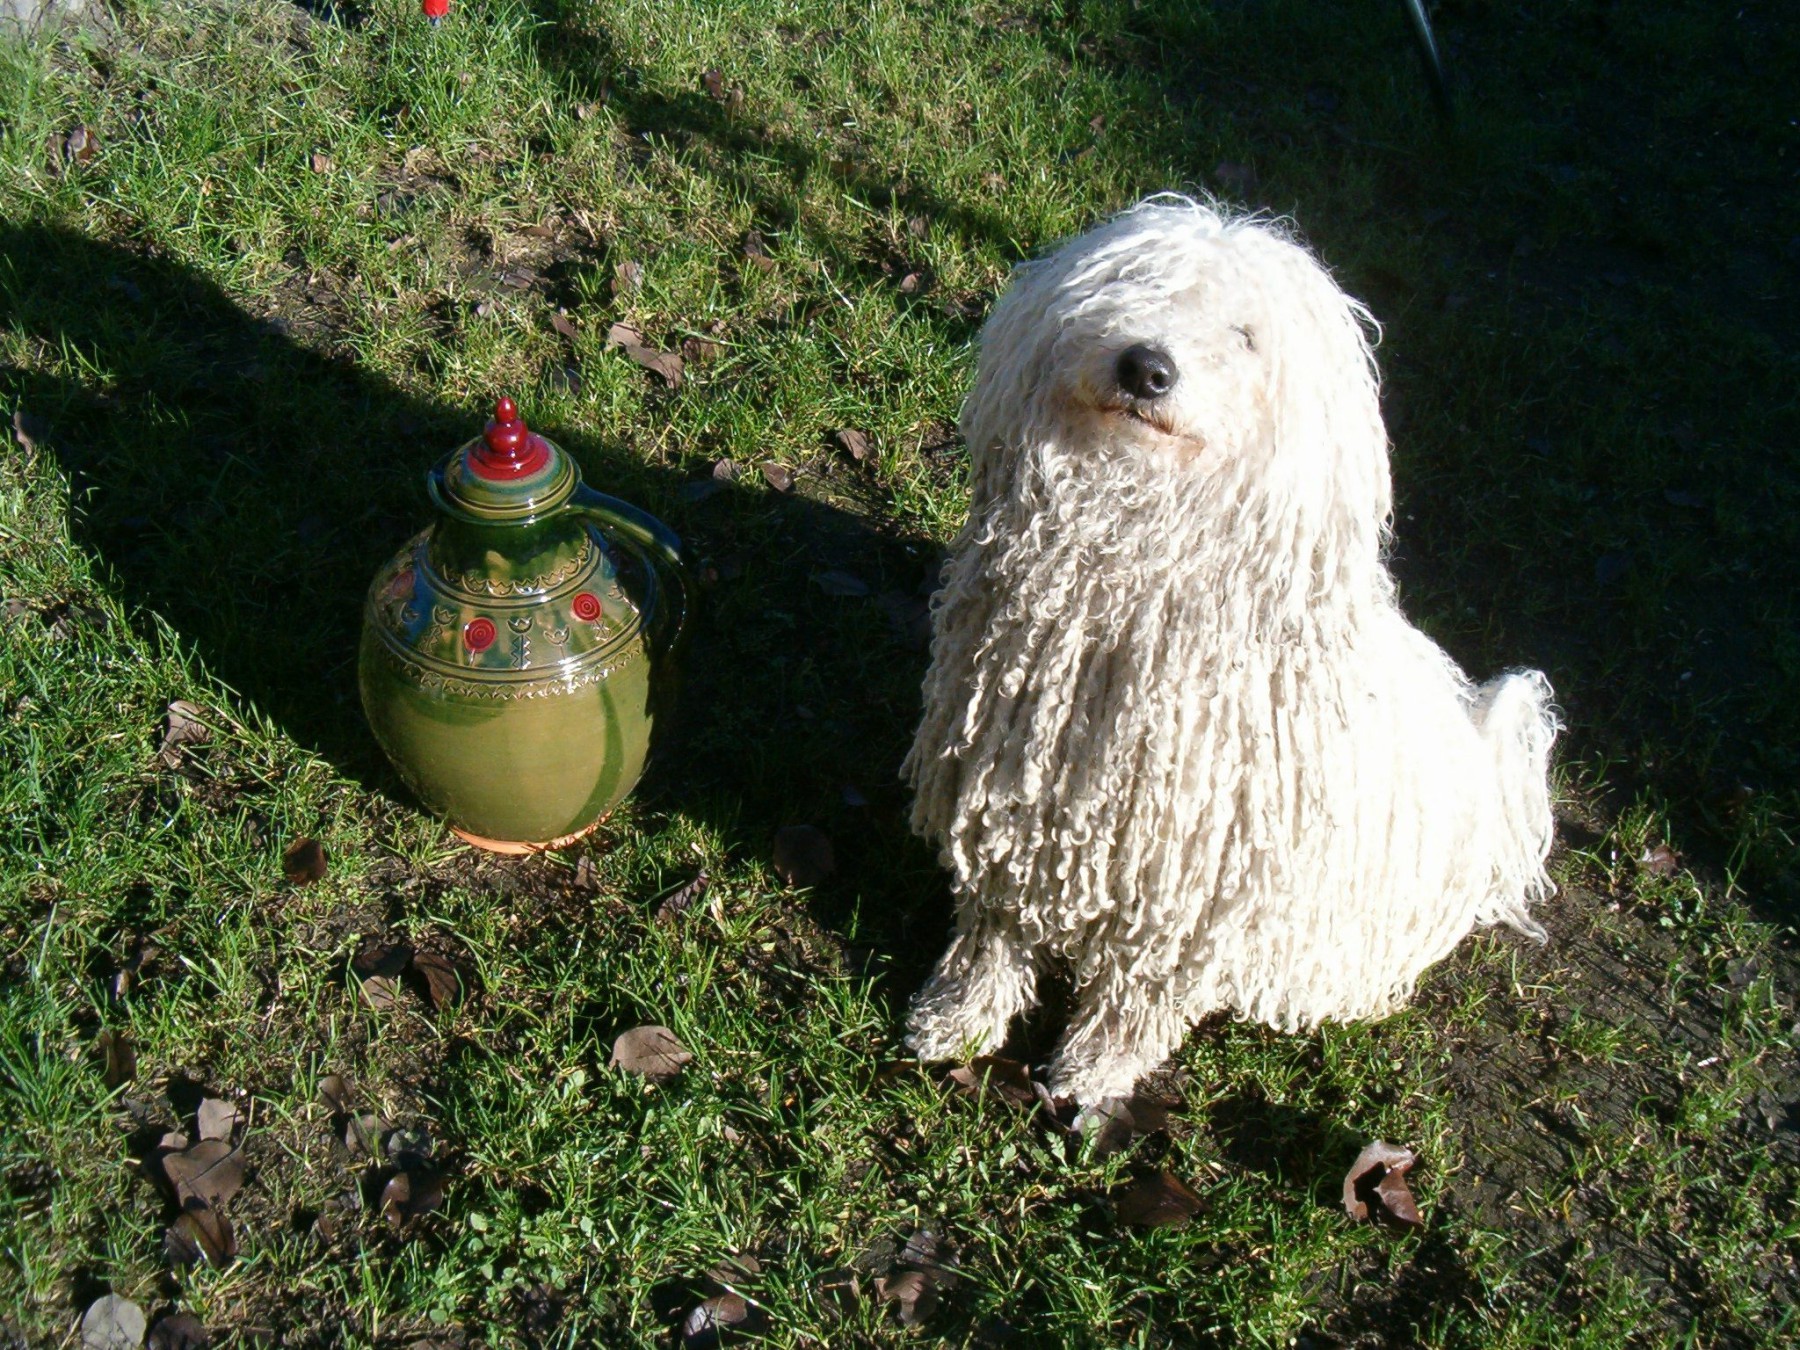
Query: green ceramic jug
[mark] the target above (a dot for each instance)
(518, 656)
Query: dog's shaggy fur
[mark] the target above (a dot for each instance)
(1178, 737)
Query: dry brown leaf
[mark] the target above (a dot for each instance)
(80, 145)
(651, 1051)
(778, 476)
(699, 349)
(380, 992)
(1377, 1181)
(683, 898)
(911, 283)
(913, 1292)
(803, 855)
(113, 1322)
(704, 1327)
(334, 1094)
(25, 430)
(713, 82)
(202, 1231)
(322, 162)
(303, 861)
(216, 1118)
(410, 1195)
(1160, 1201)
(443, 980)
(854, 443)
(563, 324)
(666, 364)
(628, 278)
(1005, 1078)
(182, 725)
(118, 1057)
(918, 227)
(210, 1172)
(1659, 860)
(756, 250)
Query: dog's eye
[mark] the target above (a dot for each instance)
(1246, 332)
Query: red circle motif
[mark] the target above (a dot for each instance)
(586, 606)
(479, 634)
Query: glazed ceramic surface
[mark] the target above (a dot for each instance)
(518, 656)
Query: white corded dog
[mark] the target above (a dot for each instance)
(1178, 737)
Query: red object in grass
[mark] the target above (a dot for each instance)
(435, 9)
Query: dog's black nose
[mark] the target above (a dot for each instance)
(1145, 372)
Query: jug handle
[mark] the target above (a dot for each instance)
(651, 540)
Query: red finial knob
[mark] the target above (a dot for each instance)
(508, 449)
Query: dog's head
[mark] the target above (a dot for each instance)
(1191, 343)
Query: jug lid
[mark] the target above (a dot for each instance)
(508, 473)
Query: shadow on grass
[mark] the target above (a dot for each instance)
(246, 488)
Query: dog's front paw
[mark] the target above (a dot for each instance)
(944, 1026)
(1090, 1082)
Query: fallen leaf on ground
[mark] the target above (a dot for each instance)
(408, 1195)
(1160, 1201)
(25, 430)
(1659, 861)
(334, 1094)
(913, 1294)
(443, 980)
(380, 992)
(699, 348)
(683, 898)
(201, 1232)
(703, 1327)
(112, 1323)
(211, 1172)
(845, 585)
(1376, 1181)
(322, 162)
(80, 145)
(628, 278)
(303, 862)
(181, 726)
(651, 1051)
(778, 476)
(803, 855)
(665, 364)
(118, 1057)
(853, 443)
(756, 249)
(1005, 1078)
(178, 1331)
(216, 1118)
(563, 324)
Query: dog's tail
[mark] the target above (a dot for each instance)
(1518, 722)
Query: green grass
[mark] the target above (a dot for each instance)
(309, 253)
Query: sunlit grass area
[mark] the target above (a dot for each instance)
(262, 263)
